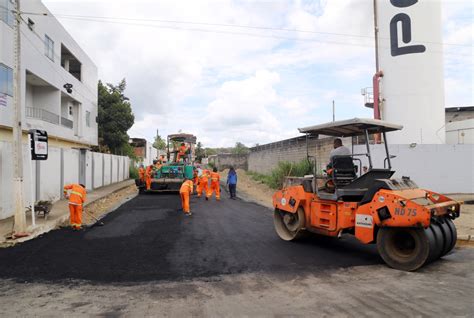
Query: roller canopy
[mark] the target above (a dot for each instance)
(183, 138)
(351, 127)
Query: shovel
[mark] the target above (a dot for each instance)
(98, 222)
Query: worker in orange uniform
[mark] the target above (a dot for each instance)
(148, 174)
(77, 197)
(185, 192)
(215, 185)
(141, 174)
(203, 184)
(181, 151)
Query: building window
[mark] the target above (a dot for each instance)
(6, 80)
(6, 14)
(88, 118)
(49, 47)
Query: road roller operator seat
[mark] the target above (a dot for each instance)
(344, 171)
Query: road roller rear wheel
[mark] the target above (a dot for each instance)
(289, 226)
(453, 233)
(406, 248)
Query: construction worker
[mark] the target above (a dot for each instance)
(181, 151)
(158, 164)
(185, 192)
(203, 184)
(141, 174)
(215, 185)
(148, 175)
(77, 197)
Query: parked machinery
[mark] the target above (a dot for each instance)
(169, 175)
(411, 226)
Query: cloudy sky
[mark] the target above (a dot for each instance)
(189, 67)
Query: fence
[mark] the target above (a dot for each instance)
(63, 166)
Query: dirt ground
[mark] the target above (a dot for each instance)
(250, 189)
(260, 193)
(105, 205)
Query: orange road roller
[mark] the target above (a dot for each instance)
(411, 226)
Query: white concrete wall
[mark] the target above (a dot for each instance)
(107, 164)
(98, 172)
(50, 189)
(71, 166)
(89, 171)
(114, 169)
(441, 168)
(50, 174)
(460, 132)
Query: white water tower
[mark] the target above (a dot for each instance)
(410, 57)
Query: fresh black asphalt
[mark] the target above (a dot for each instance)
(148, 238)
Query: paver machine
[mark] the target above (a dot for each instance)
(169, 176)
(411, 226)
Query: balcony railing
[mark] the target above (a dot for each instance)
(66, 122)
(43, 114)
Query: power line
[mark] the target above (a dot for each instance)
(244, 34)
(239, 26)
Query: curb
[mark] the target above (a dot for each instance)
(40, 230)
(465, 237)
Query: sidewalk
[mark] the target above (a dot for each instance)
(58, 215)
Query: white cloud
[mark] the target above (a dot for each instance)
(237, 87)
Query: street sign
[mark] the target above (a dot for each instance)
(38, 144)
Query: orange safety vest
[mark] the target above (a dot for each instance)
(215, 177)
(148, 171)
(186, 187)
(77, 194)
(141, 173)
(182, 150)
(205, 175)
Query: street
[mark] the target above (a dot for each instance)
(224, 260)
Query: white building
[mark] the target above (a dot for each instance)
(50, 59)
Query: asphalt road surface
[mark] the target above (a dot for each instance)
(226, 260)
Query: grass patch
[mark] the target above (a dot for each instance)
(133, 172)
(284, 169)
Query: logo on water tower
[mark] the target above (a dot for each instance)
(405, 21)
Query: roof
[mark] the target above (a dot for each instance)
(351, 127)
(459, 109)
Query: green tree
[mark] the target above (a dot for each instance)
(240, 149)
(159, 143)
(115, 118)
(200, 153)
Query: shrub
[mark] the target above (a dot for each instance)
(133, 171)
(284, 169)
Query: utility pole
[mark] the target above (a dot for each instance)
(333, 111)
(376, 34)
(20, 217)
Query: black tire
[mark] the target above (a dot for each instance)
(289, 226)
(405, 248)
(436, 237)
(447, 235)
(454, 235)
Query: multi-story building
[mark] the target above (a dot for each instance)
(50, 62)
(58, 93)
